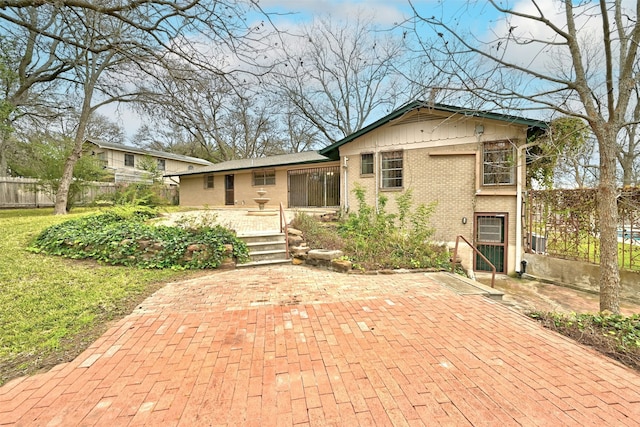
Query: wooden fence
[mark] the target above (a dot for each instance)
(26, 193)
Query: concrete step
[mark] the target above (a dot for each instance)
(260, 263)
(465, 286)
(262, 237)
(272, 255)
(265, 247)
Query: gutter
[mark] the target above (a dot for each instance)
(519, 180)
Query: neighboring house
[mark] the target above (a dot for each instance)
(470, 163)
(128, 163)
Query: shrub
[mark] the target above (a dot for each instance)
(612, 334)
(138, 194)
(120, 236)
(374, 240)
(318, 235)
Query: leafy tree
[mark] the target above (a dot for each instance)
(43, 157)
(100, 43)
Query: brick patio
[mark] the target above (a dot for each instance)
(293, 345)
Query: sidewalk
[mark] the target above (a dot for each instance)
(291, 345)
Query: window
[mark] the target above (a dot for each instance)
(366, 164)
(392, 169)
(208, 181)
(129, 160)
(264, 177)
(161, 164)
(498, 163)
(102, 158)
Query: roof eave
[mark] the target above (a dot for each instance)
(205, 171)
(441, 107)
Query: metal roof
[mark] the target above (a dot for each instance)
(145, 152)
(261, 162)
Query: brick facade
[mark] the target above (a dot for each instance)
(437, 154)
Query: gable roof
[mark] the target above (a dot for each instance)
(261, 162)
(145, 152)
(331, 150)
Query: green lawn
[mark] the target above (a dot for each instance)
(52, 308)
(628, 255)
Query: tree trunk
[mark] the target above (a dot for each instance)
(608, 216)
(3, 160)
(62, 195)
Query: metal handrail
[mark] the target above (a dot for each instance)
(284, 228)
(455, 256)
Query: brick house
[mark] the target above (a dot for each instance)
(470, 163)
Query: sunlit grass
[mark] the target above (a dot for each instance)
(628, 254)
(48, 304)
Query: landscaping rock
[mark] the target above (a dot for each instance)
(324, 254)
(341, 265)
(228, 264)
(294, 231)
(196, 247)
(294, 240)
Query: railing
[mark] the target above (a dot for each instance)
(284, 229)
(455, 257)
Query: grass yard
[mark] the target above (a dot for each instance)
(52, 308)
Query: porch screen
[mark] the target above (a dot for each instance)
(314, 187)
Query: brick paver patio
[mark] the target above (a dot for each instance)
(292, 345)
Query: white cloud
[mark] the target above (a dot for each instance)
(386, 13)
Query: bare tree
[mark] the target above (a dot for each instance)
(227, 121)
(114, 38)
(101, 60)
(579, 60)
(338, 74)
(629, 153)
(28, 61)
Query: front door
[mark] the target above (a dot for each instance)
(491, 241)
(229, 196)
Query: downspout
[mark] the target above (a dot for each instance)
(378, 179)
(519, 180)
(346, 185)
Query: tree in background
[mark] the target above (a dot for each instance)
(224, 121)
(576, 59)
(629, 141)
(560, 154)
(109, 41)
(43, 156)
(30, 65)
(339, 75)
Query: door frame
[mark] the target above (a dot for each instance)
(229, 194)
(504, 244)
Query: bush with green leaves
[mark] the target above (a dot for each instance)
(139, 194)
(377, 239)
(317, 235)
(120, 236)
(615, 335)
